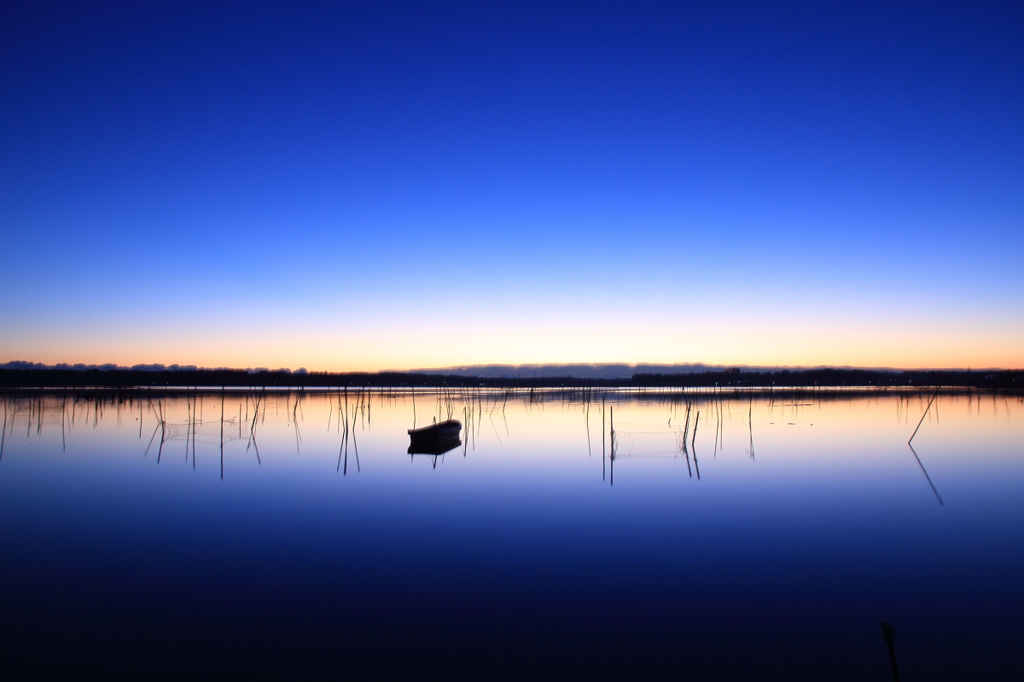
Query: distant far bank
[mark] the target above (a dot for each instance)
(29, 375)
(623, 370)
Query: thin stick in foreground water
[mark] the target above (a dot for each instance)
(923, 416)
(696, 421)
(3, 433)
(889, 634)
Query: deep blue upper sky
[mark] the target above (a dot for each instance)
(283, 183)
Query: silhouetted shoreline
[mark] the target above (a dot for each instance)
(1012, 380)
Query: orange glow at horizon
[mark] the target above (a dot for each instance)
(510, 342)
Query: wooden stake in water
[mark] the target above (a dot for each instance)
(3, 432)
(222, 433)
(611, 425)
(923, 416)
(696, 422)
(889, 634)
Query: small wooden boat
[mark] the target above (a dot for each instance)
(436, 438)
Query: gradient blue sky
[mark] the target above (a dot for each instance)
(396, 185)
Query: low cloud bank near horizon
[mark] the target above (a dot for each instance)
(608, 370)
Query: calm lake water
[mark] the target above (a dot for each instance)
(291, 534)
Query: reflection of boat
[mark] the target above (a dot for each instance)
(435, 439)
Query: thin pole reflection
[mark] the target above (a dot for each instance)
(925, 472)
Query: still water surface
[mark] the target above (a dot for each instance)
(291, 534)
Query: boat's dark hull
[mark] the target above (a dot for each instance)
(435, 439)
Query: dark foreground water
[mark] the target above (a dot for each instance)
(208, 535)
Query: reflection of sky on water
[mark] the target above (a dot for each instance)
(778, 563)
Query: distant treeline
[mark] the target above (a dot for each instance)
(732, 378)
